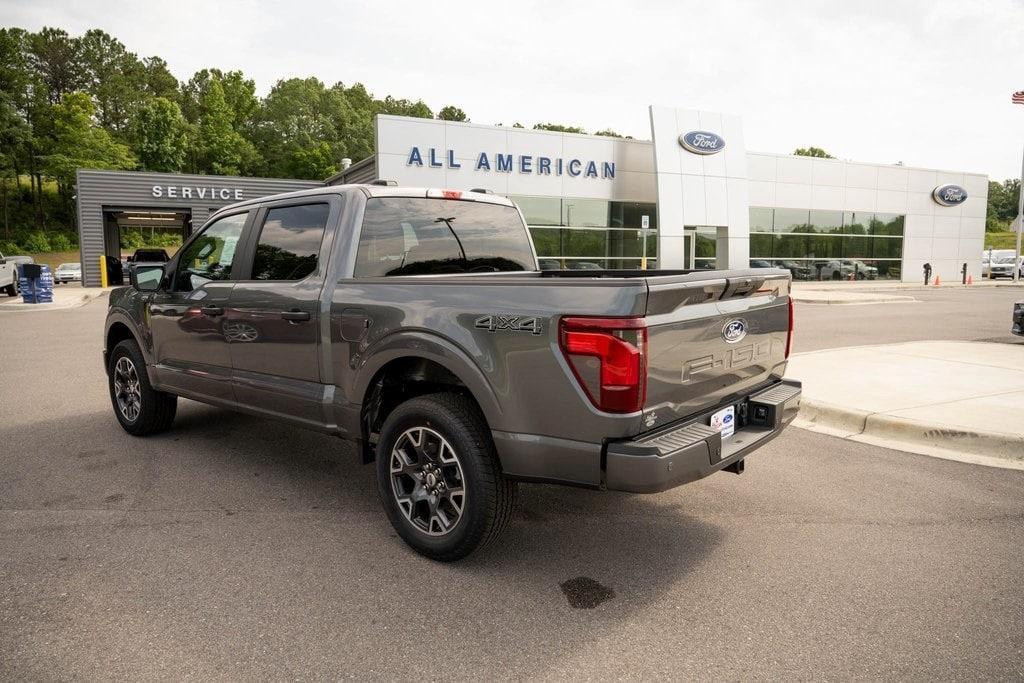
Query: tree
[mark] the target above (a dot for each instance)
(239, 94)
(559, 128)
(114, 77)
(57, 59)
(451, 113)
(159, 80)
(76, 142)
(1002, 204)
(609, 133)
(417, 109)
(15, 136)
(159, 136)
(222, 150)
(812, 152)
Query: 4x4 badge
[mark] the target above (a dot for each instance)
(512, 323)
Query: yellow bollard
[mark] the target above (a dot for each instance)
(103, 271)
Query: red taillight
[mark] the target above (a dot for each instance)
(789, 335)
(620, 347)
(452, 194)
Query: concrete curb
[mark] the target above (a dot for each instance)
(21, 307)
(860, 300)
(989, 448)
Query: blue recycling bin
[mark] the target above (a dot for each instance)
(36, 283)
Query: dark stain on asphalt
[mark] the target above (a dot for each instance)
(584, 592)
(114, 498)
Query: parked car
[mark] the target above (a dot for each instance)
(799, 270)
(9, 272)
(145, 255)
(991, 255)
(418, 324)
(67, 272)
(1002, 266)
(1018, 318)
(845, 268)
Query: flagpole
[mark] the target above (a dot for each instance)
(1020, 223)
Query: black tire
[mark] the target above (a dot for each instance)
(12, 289)
(488, 496)
(153, 410)
(836, 275)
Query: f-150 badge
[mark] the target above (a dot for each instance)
(511, 323)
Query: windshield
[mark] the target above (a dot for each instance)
(1005, 259)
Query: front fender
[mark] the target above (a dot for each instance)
(422, 344)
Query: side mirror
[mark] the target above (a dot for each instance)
(146, 277)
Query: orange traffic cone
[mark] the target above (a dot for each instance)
(937, 281)
(970, 279)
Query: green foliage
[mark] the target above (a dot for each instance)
(159, 136)
(223, 149)
(61, 241)
(812, 152)
(451, 113)
(36, 243)
(76, 143)
(1002, 204)
(559, 128)
(8, 248)
(609, 133)
(69, 102)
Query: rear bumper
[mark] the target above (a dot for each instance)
(692, 450)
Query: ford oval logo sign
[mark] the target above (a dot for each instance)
(702, 142)
(950, 195)
(734, 330)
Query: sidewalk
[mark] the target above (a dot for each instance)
(64, 296)
(956, 400)
(877, 291)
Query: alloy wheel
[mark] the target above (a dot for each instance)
(127, 391)
(427, 481)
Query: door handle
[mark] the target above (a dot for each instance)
(212, 311)
(295, 316)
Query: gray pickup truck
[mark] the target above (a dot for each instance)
(418, 324)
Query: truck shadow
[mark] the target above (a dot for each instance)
(286, 501)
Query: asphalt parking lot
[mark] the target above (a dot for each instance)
(232, 547)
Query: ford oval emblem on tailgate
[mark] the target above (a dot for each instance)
(734, 330)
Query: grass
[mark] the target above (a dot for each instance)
(1000, 240)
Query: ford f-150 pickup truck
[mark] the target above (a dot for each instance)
(418, 324)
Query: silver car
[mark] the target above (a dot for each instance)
(1002, 266)
(67, 272)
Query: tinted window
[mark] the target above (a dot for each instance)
(211, 255)
(290, 242)
(418, 236)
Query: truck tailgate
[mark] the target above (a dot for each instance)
(712, 339)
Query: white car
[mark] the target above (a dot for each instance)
(67, 272)
(1002, 266)
(845, 268)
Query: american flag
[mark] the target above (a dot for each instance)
(1018, 97)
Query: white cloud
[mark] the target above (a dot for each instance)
(927, 83)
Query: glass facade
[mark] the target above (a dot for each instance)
(588, 234)
(827, 245)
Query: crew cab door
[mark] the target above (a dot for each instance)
(186, 318)
(272, 322)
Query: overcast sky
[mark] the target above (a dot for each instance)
(926, 83)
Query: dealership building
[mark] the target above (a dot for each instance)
(692, 197)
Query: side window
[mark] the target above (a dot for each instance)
(421, 236)
(290, 242)
(211, 255)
